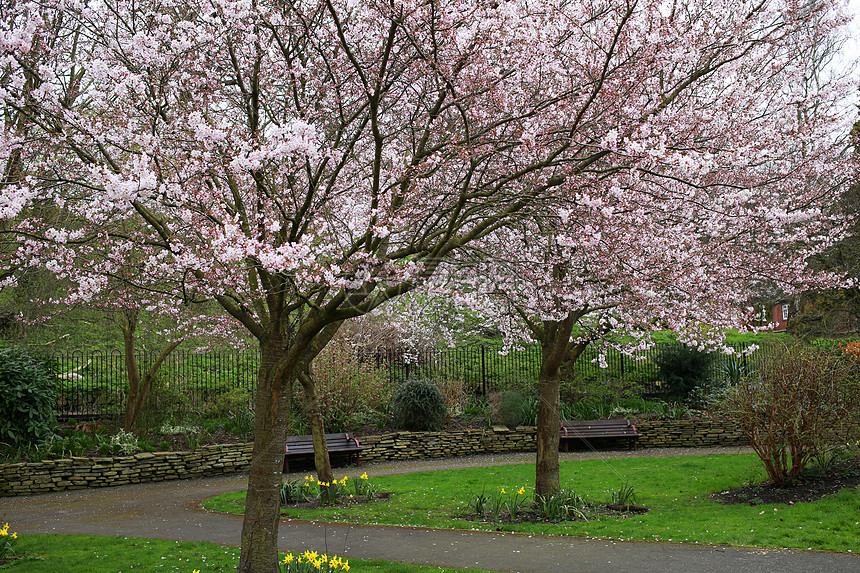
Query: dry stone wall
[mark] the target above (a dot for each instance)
(689, 434)
(77, 473)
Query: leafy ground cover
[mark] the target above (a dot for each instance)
(677, 490)
(98, 554)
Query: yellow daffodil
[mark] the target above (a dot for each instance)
(343, 481)
(310, 555)
(344, 565)
(521, 491)
(288, 558)
(503, 490)
(14, 536)
(364, 475)
(196, 571)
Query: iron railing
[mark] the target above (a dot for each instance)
(94, 384)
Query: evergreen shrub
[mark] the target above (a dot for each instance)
(418, 405)
(28, 393)
(682, 369)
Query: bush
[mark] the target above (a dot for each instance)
(418, 405)
(515, 409)
(682, 369)
(352, 393)
(163, 404)
(28, 391)
(232, 410)
(801, 402)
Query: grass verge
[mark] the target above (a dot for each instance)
(675, 489)
(99, 554)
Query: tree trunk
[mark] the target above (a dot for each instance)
(546, 464)
(321, 458)
(262, 505)
(132, 410)
(555, 351)
(138, 390)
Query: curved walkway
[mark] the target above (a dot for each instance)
(171, 510)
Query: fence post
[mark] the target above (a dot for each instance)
(483, 373)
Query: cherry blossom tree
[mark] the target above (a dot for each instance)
(706, 197)
(302, 163)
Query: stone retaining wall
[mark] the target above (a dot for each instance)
(422, 445)
(689, 434)
(77, 473)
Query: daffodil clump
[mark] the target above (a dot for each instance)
(7, 542)
(312, 562)
(494, 505)
(328, 492)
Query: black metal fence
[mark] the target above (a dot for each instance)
(486, 369)
(94, 384)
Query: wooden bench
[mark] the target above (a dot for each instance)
(588, 429)
(303, 446)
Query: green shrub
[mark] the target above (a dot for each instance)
(515, 409)
(124, 443)
(418, 405)
(28, 390)
(163, 404)
(232, 410)
(229, 402)
(682, 369)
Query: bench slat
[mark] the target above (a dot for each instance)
(584, 429)
(335, 443)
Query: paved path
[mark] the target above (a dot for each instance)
(171, 510)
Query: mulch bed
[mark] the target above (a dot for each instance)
(810, 486)
(346, 501)
(531, 516)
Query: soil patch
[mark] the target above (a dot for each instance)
(813, 484)
(589, 513)
(346, 501)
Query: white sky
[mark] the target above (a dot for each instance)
(852, 46)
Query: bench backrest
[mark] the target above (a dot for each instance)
(338, 441)
(598, 427)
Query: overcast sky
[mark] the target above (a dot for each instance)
(853, 45)
(851, 50)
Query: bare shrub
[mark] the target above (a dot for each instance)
(800, 402)
(455, 394)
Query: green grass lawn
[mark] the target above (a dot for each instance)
(98, 554)
(675, 489)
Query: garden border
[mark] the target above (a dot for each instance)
(77, 473)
